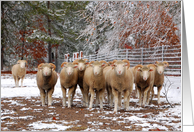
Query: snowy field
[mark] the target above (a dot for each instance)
(137, 118)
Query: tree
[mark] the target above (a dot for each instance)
(138, 24)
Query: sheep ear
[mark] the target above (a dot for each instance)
(75, 66)
(165, 64)
(139, 69)
(151, 70)
(113, 65)
(86, 63)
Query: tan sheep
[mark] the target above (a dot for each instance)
(144, 80)
(94, 81)
(46, 78)
(82, 64)
(19, 72)
(120, 79)
(68, 80)
(159, 78)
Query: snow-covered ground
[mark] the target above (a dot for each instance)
(30, 89)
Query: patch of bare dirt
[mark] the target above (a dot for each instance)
(24, 111)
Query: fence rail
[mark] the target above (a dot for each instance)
(144, 56)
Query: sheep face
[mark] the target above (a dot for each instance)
(144, 72)
(22, 63)
(97, 68)
(46, 69)
(160, 67)
(81, 66)
(119, 67)
(70, 68)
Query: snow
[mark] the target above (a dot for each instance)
(30, 89)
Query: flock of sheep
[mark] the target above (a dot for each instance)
(116, 77)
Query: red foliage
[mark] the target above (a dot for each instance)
(150, 29)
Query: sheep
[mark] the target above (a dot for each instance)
(46, 78)
(144, 80)
(94, 81)
(159, 78)
(68, 79)
(19, 72)
(120, 79)
(107, 85)
(81, 69)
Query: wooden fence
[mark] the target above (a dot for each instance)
(144, 56)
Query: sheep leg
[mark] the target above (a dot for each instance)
(64, 95)
(22, 79)
(50, 92)
(73, 94)
(148, 97)
(82, 90)
(152, 95)
(14, 79)
(46, 97)
(42, 96)
(91, 90)
(97, 98)
(140, 97)
(17, 81)
(159, 89)
(115, 93)
(70, 96)
(119, 100)
(111, 98)
(126, 99)
(145, 96)
(136, 93)
(101, 96)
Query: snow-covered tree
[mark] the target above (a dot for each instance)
(113, 24)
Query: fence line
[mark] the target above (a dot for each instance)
(144, 56)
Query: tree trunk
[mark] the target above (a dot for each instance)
(23, 46)
(49, 32)
(56, 57)
(2, 34)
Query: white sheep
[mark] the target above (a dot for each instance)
(82, 64)
(120, 79)
(68, 80)
(46, 79)
(94, 81)
(159, 78)
(19, 72)
(144, 80)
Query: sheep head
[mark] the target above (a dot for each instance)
(97, 67)
(144, 72)
(119, 67)
(46, 68)
(69, 67)
(81, 64)
(160, 66)
(23, 63)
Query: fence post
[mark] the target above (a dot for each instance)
(142, 56)
(162, 53)
(127, 50)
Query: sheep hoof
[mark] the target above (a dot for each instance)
(114, 112)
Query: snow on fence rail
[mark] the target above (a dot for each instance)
(144, 56)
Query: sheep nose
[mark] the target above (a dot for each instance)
(160, 72)
(95, 73)
(80, 68)
(119, 72)
(144, 78)
(69, 73)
